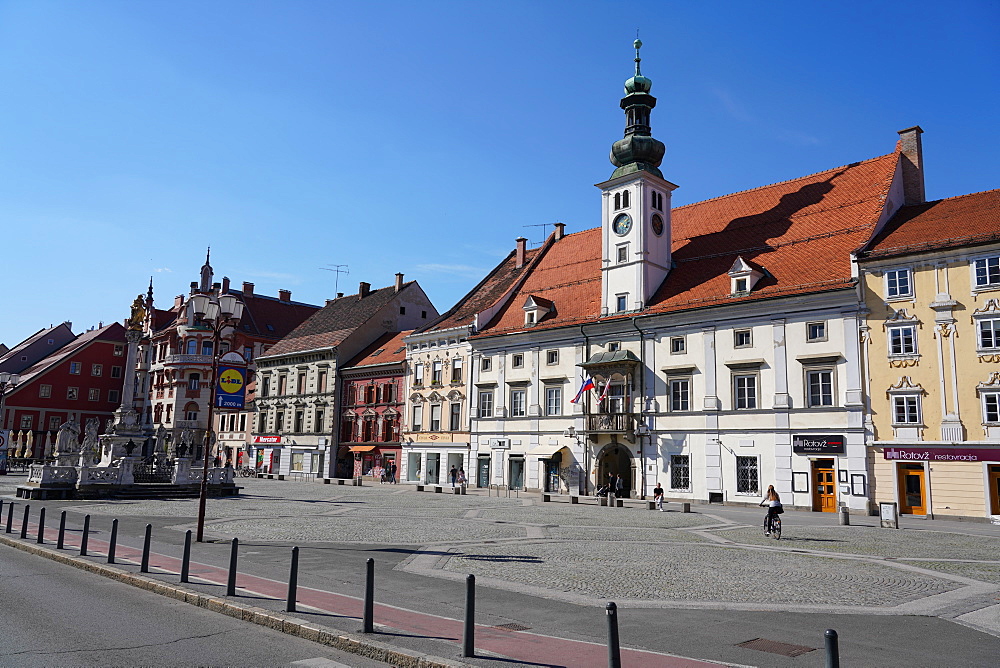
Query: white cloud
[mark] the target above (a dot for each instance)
(453, 269)
(164, 270)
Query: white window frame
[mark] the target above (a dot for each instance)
(518, 402)
(417, 421)
(813, 337)
(456, 370)
(486, 364)
(553, 400)
(551, 357)
(894, 334)
(892, 283)
(811, 399)
(751, 464)
(911, 405)
(981, 266)
(621, 253)
(747, 398)
(679, 381)
(621, 302)
(44, 391)
(485, 404)
(517, 361)
(678, 345)
(994, 331)
(94, 394)
(738, 334)
(990, 401)
(437, 372)
(435, 424)
(418, 374)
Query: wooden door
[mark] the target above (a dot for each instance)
(912, 492)
(994, 472)
(824, 486)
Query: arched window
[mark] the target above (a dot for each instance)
(618, 200)
(192, 346)
(624, 199)
(191, 411)
(194, 381)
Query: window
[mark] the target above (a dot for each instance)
(529, 318)
(299, 419)
(517, 403)
(819, 384)
(436, 417)
(282, 385)
(618, 201)
(616, 398)
(517, 360)
(991, 408)
(989, 333)
(486, 404)
(206, 347)
(54, 423)
(456, 370)
(622, 253)
(486, 364)
(553, 401)
(902, 340)
(657, 201)
(677, 345)
(26, 421)
(740, 285)
(119, 350)
(745, 392)
(266, 387)
(74, 368)
(418, 418)
(114, 396)
(321, 382)
(389, 430)
(621, 303)
(680, 394)
(300, 384)
(243, 420)
(455, 419)
(816, 331)
(279, 421)
(423, 314)
(194, 382)
(551, 357)
(72, 393)
(402, 310)
(742, 338)
(116, 372)
(746, 476)
(614, 346)
(987, 272)
(418, 374)
(906, 409)
(96, 369)
(680, 472)
(93, 394)
(625, 196)
(192, 347)
(248, 353)
(898, 284)
(44, 391)
(437, 373)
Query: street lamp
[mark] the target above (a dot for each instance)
(6, 380)
(571, 433)
(216, 313)
(641, 431)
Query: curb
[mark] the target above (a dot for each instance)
(284, 623)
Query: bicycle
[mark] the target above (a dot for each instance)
(248, 472)
(772, 525)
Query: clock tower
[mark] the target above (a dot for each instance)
(635, 207)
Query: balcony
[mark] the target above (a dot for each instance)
(187, 359)
(611, 423)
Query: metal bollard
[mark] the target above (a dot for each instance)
(231, 585)
(368, 622)
(614, 651)
(186, 559)
(24, 521)
(293, 581)
(114, 541)
(144, 566)
(845, 516)
(10, 515)
(85, 536)
(41, 526)
(469, 627)
(62, 530)
(832, 649)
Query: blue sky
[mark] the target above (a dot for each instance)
(424, 137)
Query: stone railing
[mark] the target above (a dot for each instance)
(107, 475)
(40, 474)
(187, 359)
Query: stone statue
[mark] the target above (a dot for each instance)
(138, 317)
(68, 437)
(90, 441)
(161, 437)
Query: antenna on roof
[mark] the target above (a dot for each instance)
(337, 269)
(542, 225)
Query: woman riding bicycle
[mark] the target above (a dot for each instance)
(774, 508)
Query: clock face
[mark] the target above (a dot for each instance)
(657, 225)
(622, 224)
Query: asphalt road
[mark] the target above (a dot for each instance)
(56, 615)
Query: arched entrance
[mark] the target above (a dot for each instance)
(615, 458)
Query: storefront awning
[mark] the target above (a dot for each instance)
(545, 451)
(362, 448)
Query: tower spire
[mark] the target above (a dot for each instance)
(206, 272)
(637, 150)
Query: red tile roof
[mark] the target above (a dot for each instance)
(801, 232)
(386, 349)
(264, 317)
(113, 332)
(955, 222)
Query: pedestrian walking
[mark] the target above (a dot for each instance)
(612, 488)
(453, 473)
(658, 496)
(392, 473)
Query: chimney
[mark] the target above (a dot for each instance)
(329, 301)
(913, 165)
(178, 301)
(285, 295)
(247, 289)
(225, 285)
(399, 282)
(339, 295)
(216, 288)
(560, 230)
(522, 248)
(194, 287)
(364, 289)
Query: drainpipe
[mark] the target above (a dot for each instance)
(586, 437)
(642, 395)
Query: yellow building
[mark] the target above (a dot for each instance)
(931, 356)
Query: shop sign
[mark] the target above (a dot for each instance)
(942, 454)
(809, 444)
(267, 439)
(231, 387)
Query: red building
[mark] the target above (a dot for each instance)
(373, 404)
(82, 378)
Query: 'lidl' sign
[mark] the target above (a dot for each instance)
(231, 388)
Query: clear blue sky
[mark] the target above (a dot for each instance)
(424, 137)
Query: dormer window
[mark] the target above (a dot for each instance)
(743, 277)
(536, 308)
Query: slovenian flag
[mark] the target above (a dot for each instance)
(588, 385)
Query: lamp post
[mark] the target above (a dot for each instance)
(6, 380)
(216, 313)
(571, 433)
(641, 431)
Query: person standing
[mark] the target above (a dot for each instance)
(619, 487)
(658, 496)
(612, 489)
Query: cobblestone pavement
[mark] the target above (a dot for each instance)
(710, 558)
